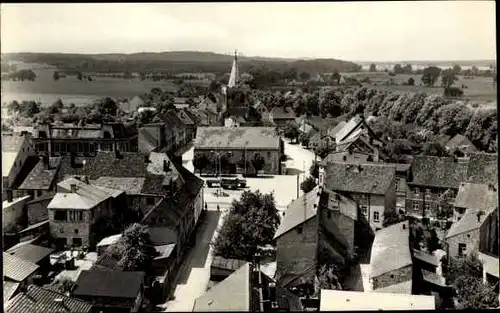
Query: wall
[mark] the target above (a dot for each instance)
(25, 150)
(375, 203)
(393, 277)
(296, 252)
(12, 212)
(271, 156)
(37, 210)
(471, 239)
(489, 234)
(198, 206)
(421, 199)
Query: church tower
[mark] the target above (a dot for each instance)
(234, 78)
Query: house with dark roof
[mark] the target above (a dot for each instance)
(111, 291)
(76, 207)
(281, 115)
(434, 179)
(18, 270)
(466, 234)
(153, 137)
(372, 186)
(208, 104)
(247, 290)
(40, 182)
(16, 149)
(483, 168)
(236, 147)
(189, 124)
(35, 254)
(391, 264)
(317, 227)
(85, 140)
(461, 143)
(38, 299)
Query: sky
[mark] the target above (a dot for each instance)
(355, 31)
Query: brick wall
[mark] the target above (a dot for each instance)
(471, 239)
(296, 252)
(393, 277)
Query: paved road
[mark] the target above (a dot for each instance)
(194, 275)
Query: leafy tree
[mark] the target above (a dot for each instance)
(63, 285)
(434, 149)
(56, 75)
(79, 76)
(258, 162)
(411, 81)
(304, 139)
(251, 222)
(373, 67)
(336, 76)
(430, 75)
(330, 277)
(314, 169)
(408, 69)
(56, 107)
(391, 218)
(456, 69)
(474, 70)
(304, 75)
(200, 161)
(398, 69)
(292, 131)
(308, 184)
(14, 106)
(448, 77)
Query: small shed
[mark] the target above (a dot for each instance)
(221, 267)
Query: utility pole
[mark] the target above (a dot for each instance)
(297, 185)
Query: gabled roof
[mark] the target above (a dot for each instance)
(458, 141)
(184, 117)
(17, 269)
(470, 220)
(31, 253)
(361, 178)
(107, 241)
(38, 299)
(283, 113)
(86, 196)
(483, 168)
(237, 138)
(339, 300)
(231, 294)
(131, 185)
(425, 257)
(112, 284)
(41, 177)
(391, 249)
(334, 131)
(299, 211)
(348, 128)
(338, 157)
(443, 172)
(9, 289)
(164, 251)
(472, 196)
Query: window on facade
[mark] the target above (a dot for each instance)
(39, 193)
(397, 182)
(416, 191)
(376, 216)
(61, 230)
(76, 231)
(364, 210)
(268, 154)
(462, 247)
(75, 215)
(77, 242)
(60, 215)
(416, 206)
(427, 192)
(427, 206)
(299, 229)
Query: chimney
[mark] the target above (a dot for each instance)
(73, 188)
(9, 195)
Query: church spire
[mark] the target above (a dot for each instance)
(233, 79)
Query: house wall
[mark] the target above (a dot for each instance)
(394, 277)
(296, 252)
(37, 210)
(25, 150)
(198, 206)
(339, 225)
(12, 213)
(471, 239)
(489, 234)
(421, 198)
(271, 156)
(374, 203)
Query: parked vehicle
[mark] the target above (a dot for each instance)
(227, 183)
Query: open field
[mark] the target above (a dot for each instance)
(479, 88)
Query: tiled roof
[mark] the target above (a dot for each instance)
(40, 176)
(184, 117)
(298, 212)
(339, 300)
(282, 113)
(109, 240)
(231, 294)
(472, 196)
(164, 251)
(38, 299)
(155, 167)
(131, 185)
(9, 288)
(428, 258)
(31, 253)
(16, 268)
(338, 157)
(364, 178)
(148, 138)
(173, 120)
(192, 116)
(483, 168)
(393, 241)
(348, 128)
(333, 132)
(237, 138)
(170, 210)
(86, 195)
(193, 183)
(470, 220)
(230, 264)
(113, 284)
(460, 140)
(438, 171)
(161, 236)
